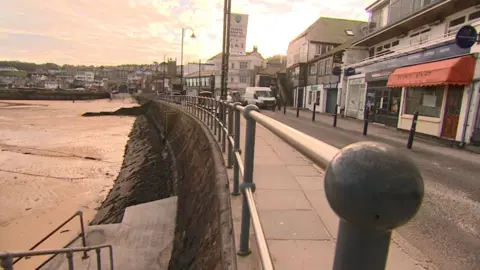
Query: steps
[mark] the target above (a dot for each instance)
(143, 241)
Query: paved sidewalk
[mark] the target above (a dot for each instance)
(299, 225)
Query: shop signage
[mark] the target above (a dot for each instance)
(238, 33)
(381, 75)
(466, 37)
(330, 86)
(337, 71)
(349, 71)
(314, 87)
(441, 52)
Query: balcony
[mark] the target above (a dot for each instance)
(400, 16)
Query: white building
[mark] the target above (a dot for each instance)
(416, 70)
(241, 70)
(85, 76)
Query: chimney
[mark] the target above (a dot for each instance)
(255, 49)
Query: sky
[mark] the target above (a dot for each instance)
(112, 32)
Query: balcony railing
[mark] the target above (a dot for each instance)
(397, 11)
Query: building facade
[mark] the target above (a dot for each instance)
(303, 52)
(413, 65)
(196, 83)
(241, 70)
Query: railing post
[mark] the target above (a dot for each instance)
(215, 122)
(70, 260)
(7, 263)
(230, 134)
(373, 189)
(207, 121)
(247, 179)
(219, 137)
(99, 259)
(84, 240)
(224, 122)
(212, 105)
(236, 149)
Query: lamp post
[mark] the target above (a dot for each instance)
(181, 57)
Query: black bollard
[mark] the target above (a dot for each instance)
(298, 108)
(365, 121)
(412, 130)
(335, 115)
(285, 107)
(314, 111)
(385, 190)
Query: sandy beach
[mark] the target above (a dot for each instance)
(54, 162)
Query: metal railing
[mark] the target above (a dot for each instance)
(370, 186)
(20, 255)
(7, 262)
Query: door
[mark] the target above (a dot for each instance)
(452, 111)
(331, 100)
(300, 97)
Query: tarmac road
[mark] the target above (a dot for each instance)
(447, 227)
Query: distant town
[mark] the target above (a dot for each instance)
(159, 77)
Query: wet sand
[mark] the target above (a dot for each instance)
(54, 162)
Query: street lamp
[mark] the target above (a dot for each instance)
(181, 57)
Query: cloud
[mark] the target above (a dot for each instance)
(141, 31)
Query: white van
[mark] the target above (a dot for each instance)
(260, 96)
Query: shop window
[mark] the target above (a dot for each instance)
(310, 96)
(427, 101)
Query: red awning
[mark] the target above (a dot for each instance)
(457, 71)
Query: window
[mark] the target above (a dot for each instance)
(328, 66)
(349, 32)
(231, 79)
(456, 21)
(313, 69)
(243, 65)
(371, 52)
(318, 49)
(427, 101)
(473, 16)
(321, 68)
(395, 43)
(243, 79)
(233, 65)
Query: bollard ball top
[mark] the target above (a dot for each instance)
(372, 185)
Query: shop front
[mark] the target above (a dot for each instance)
(435, 90)
(384, 102)
(315, 95)
(331, 90)
(355, 99)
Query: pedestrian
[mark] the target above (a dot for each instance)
(279, 102)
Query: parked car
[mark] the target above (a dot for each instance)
(260, 96)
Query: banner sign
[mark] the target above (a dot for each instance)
(238, 33)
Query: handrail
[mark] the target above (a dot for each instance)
(7, 262)
(391, 182)
(82, 234)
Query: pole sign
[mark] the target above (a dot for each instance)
(238, 33)
(466, 37)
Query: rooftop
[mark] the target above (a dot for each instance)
(331, 30)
